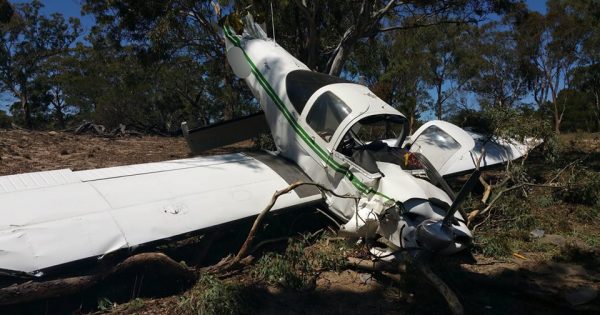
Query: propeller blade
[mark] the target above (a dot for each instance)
(460, 197)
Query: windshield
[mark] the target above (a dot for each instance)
(302, 84)
(387, 128)
(326, 115)
(437, 145)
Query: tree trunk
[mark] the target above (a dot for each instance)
(557, 121)
(312, 44)
(557, 115)
(60, 116)
(228, 111)
(439, 110)
(26, 111)
(341, 53)
(597, 110)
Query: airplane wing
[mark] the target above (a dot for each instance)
(453, 150)
(55, 217)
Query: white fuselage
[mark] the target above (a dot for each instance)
(265, 66)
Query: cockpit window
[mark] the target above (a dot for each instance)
(302, 84)
(375, 138)
(326, 115)
(436, 144)
(379, 127)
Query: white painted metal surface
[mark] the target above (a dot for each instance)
(12, 183)
(453, 150)
(91, 213)
(271, 69)
(444, 145)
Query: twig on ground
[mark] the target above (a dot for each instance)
(487, 189)
(566, 167)
(476, 213)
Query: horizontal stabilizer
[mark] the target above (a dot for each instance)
(224, 133)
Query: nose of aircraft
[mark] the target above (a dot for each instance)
(444, 235)
(435, 236)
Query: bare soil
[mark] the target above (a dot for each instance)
(529, 282)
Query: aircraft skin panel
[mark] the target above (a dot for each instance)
(12, 183)
(56, 224)
(138, 169)
(31, 207)
(37, 246)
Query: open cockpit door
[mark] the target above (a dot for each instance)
(447, 146)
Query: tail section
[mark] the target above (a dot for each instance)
(234, 43)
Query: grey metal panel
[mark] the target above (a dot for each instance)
(225, 133)
(288, 171)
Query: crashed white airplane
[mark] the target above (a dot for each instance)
(327, 130)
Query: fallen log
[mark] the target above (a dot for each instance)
(34, 290)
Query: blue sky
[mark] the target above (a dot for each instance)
(73, 8)
(67, 8)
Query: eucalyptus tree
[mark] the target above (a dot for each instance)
(26, 45)
(498, 79)
(159, 31)
(393, 70)
(322, 33)
(330, 30)
(550, 47)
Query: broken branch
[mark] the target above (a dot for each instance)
(250, 238)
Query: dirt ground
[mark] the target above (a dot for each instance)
(528, 282)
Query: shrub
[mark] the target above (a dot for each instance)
(583, 187)
(291, 270)
(213, 296)
(298, 266)
(495, 245)
(264, 141)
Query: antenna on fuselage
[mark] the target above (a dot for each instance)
(273, 22)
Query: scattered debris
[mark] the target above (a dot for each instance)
(537, 233)
(367, 278)
(519, 256)
(100, 130)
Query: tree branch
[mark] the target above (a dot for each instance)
(228, 264)
(420, 25)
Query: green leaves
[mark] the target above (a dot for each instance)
(6, 11)
(25, 48)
